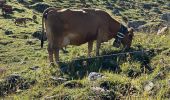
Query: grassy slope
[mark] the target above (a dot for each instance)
(18, 56)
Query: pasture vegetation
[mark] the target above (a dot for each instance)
(20, 52)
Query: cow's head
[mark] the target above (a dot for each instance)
(127, 40)
(124, 36)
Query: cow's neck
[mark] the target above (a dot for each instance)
(114, 27)
(122, 31)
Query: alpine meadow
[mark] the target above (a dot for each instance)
(140, 73)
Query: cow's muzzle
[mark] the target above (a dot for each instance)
(117, 43)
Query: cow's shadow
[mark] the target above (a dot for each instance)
(79, 68)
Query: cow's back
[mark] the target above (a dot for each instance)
(75, 27)
(79, 21)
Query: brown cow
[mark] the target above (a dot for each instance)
(2, 2)
(75, 27)
(21, 21)
(6, 9)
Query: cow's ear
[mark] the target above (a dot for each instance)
(131, 31)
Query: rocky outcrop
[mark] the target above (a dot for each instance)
(150, 27)
(136, 24)
(166, 17)
(40, 7)
(13, 83)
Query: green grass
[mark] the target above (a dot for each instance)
(17, 56)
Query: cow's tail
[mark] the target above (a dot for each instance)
(43, 32)
(44, 17)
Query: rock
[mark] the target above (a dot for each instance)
(136, 24)
(127, 5)
(64, 69)
(149, 86)
(37, 34)
(147, 6)
(34, 68)
(94, 76)
(152, 87)
(109, 5)
(23, 1)
(7, 32)
(166, 17)
(143, 28)
(121, 3)
(149, 27)
(116, 12)
(20, 1)
(156, 10)
(40, 7)
(162, 31)
(37, 1)
(168, 4)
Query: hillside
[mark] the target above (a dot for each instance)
(25, 72)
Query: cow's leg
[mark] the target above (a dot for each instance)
(98, 43)
(50, 53)
(56, 53)
(90, 47)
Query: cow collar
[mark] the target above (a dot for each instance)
(122, 32)
(120, 35)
